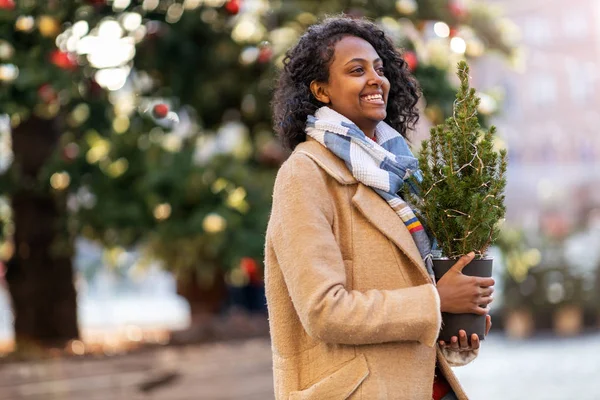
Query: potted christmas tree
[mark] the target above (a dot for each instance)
(461, 195)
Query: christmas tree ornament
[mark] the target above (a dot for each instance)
(48, 26)
(25, 23)
(475, 47)
(406, 7)
(8, 72)
(250, 268)
(411, 60)
(160, 111)
(6, 50)
(70, 152)
(162, 211)
(47, 93)
(63, 60)
(265, 54)
(232, 7)
(214, 223)
(458, 9)
(7, 5)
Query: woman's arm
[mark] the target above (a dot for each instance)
(301, 237)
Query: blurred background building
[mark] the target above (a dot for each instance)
(549, 112)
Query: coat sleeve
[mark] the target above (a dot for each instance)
(301, 236)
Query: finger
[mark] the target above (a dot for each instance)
(454, 343)
(463, 261)
(462, 338)
(475, 342)
(481, 310)
(485, 282)
(442, 343)
(488, 324)
(486, 291)
(484, 301)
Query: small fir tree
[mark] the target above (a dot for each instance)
(461, 199)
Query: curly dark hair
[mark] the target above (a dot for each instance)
(310, 60)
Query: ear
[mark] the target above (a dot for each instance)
(319, 90)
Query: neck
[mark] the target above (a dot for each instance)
(370, 132)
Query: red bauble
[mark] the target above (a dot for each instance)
(47, 93)
(63, 60)
(453, 32)
(265, 54)
(250, 267)
(7, 4)
(232, 7)
(160, 111)
(457, 9)
(70, 152)
(411, 60)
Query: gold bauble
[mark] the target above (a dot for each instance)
(214, 223)
(406, 7)
(25, 23)
(48, 26)
(6, 50)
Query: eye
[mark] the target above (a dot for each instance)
(380, 70)
(357, 70)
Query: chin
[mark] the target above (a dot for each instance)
(377, 116)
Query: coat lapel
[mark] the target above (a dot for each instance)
(383, 217)
(369, 203)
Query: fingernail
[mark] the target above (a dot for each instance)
(471, 254)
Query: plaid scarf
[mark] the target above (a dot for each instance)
(385, 165)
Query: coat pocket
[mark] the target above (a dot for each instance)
(339, 385)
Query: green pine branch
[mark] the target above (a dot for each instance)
(464, 178)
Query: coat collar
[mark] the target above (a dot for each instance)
(369, 203)
(332, 164)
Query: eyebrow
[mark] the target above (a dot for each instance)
(362, 60)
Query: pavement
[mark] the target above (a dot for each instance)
(540, 368)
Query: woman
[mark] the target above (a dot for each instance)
(353, 310)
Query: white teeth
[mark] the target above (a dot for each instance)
(373, 97)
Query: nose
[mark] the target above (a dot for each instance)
(375, 79)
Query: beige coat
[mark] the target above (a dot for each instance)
(352, 313)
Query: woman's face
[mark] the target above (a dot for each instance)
(357, 87)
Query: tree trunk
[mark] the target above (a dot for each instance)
(205, 299)
(40, 273)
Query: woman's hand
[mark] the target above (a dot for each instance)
(461, 343)
(462, 294)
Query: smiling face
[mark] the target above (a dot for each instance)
(357, 87)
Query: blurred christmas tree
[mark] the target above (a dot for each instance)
(148, 123)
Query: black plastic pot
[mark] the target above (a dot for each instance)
(470, 323)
